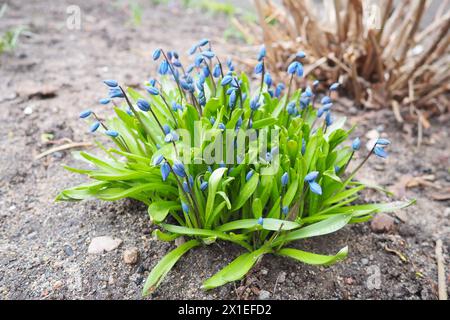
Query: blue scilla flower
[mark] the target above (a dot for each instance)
(221, 126)
(259, 68)
(250, 123)
(327, 107)
(356, 144)
(279, 89)
(178, 168)
(208, 54)
(143, 105)
(328, 119)
(204, 185)
(205, 71)
(335, 86)
(112, 133)
(193, 49)
(239, 122)
(262, 53)
(105, 101)
(198, 60)
(191, 180)
(115, 93)
(190, 68)
(326, 100)
(94, 126)
(152, 82)
(249, 175)
(230, 64)
(222, 164)
(383, 142)
(156, 54)
(320, 112)
(226, 80)
(129, 112)
(165, 170)
(308, 92)
(337, 169)
(185, 186)
(230, 90)
(296, 68)
(166, 129)
(185, 207)
(380, 152)
(316, 83)
(304, 102)
(312, 176)
(235, 83)
(232, 100)
(152, 90)
(163, 67)
(269, 157)
(301, 55)
(177, 63)
(268, 79)
(85, 113)
(171, 137)
(285, 210)
(111, 83)
(216, 71)
(158, 159)
(203, 42)
(254, 104)
(176, 106)
(244, 97)
(261, 221)
(291, 109)
(212, 120)
(315, 187)
(186, 86)
(285, 179)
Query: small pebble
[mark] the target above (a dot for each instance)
(130, 256)
(264, 295)
(382, 223)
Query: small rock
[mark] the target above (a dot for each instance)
(264, 272)
(102, 244)
(68, 250)
(130, 256)
(28, 110)
(382, 223)
(364, 261)
(264, 295)
(57, 285)
(282, 277)
(349, 281)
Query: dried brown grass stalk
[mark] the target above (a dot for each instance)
(380, 65)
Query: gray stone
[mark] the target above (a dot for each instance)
(103, 244)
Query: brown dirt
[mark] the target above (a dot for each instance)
(56, 72)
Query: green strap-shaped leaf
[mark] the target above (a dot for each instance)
(167, 237)
(263, 123)
(327, 226)
(236, 270)
(312, 258)
(213, 184)
(246, 192)
(343, 195)
(268, 224)
(163, 267)
(159, 210)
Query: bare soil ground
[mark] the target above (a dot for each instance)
(55, 73)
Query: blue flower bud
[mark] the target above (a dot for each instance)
(208, 54)
(292, 67)
(311, 176)
(85, 114)
(205, 71)
(163, 68)
(260, 221)
(326, 100)
(336, 169)
(191, 181)
(152, 82)
(193, 49)
(152, 90)
(143, 105)
(320, 112)
(111, 83)
(300, 70)
(171, 137)
(232, 100)
(356, 145)
(254, 104)
(112, 133)
(301, 55)
(115, 93)
(212, 120)
(203, 42)
(185, 187)
(279, 89)
(239, 122)
(216, 71)
(221, 126)
(269, 157)
(285, 179)
(198, 60)
(230, 64)
(203, 185)
(285, 210)
(268, 79)
(262, 53)
(158, 159)
(328, 119)
(166, 129)
(177, 63)
(304, 103)
(226, 80)
(156, 54)
(380, 152)
(383, 142)
(259, 68)
(334, 86)
(222, 164)
(316, 83)
(105, 101)
(94, 126)
(250, 123)
(165, 170)
(178, 168)
(308, 92)
(249, 175)
(315, 188)
(327, 107)
(185, 207)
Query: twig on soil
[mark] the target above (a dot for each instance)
(398, 253)
(442, 286)
(63, 147)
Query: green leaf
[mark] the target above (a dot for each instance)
(213, 184)
(343, 195)
(167, 237)
(164, 265)
(246, 192)
(236, 270)
(321, 228)
(268, 224)
(312, 258)
(159, 210)
(266, 122)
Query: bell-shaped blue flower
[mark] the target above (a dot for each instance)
(216, 71)
(94, 126)
(383, 142)
(311, 176)
(249, 175)
(315, 187)
(163, 67)
(259, 68)
(158, 159)
(356, 144)
(178, 168)
(285, 210)
(268, 79)
(112, 133)
(335, 86)
(301, 55)
(254, 104)
(115, 93)
(262, 53)
(261, 221)
(111, 83)
(152, 90)
(226, 80)
(285, 179)
(143, 105)
(165, 170)
(208, 54)
(185, 207)
(203, 185)
(85, 114)
(156, 54)
(203, 42)
(380, 152)
(105, 101)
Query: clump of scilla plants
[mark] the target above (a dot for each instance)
(215, 157)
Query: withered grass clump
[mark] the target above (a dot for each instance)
(393, 57)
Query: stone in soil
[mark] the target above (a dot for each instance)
(103, 244)
(382, 223)
(264, 295)
(130, 256)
